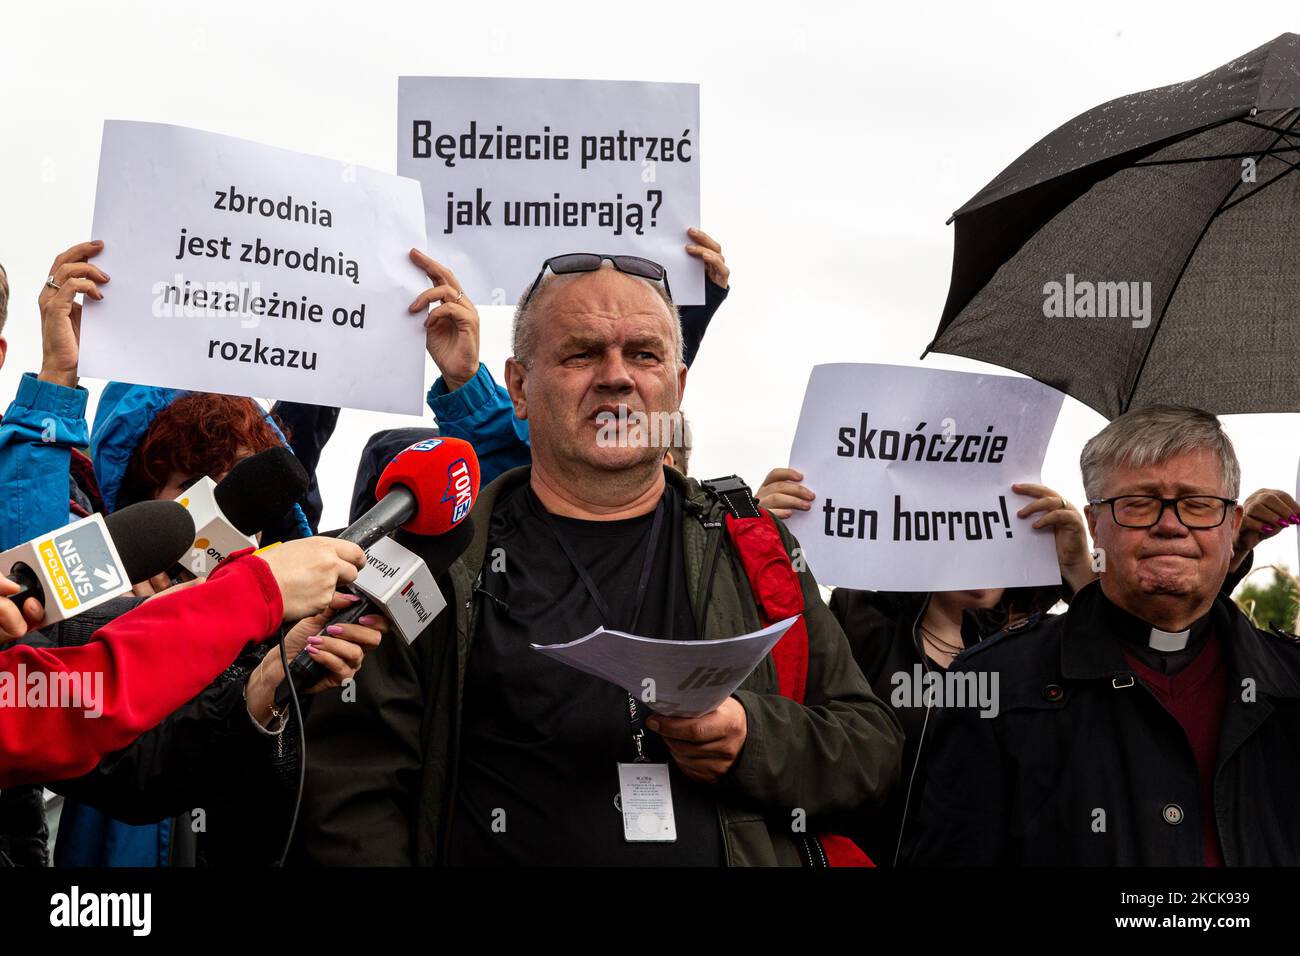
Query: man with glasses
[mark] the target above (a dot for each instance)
(468, 747)
(1151, 724)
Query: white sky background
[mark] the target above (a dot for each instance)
(834, 145)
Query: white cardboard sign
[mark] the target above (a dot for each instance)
(516, 171)
(912, 468)
(251, 270)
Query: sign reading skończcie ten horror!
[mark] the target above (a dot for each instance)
(912, 468)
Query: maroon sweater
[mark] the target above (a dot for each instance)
(1196, 696)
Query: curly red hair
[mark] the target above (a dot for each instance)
(199, 434)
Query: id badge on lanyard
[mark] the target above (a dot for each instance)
(645, 794)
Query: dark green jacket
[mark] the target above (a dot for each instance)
(381, 772)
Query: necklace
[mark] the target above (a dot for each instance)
(939, 644)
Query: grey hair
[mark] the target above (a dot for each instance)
(1154, 434)
(523, 340)
(4, 297)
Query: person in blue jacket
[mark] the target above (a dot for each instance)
(46, 478)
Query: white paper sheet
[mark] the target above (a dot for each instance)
(673, 678)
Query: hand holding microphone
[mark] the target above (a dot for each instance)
(92, 560)
(309, 571)
(338, 649)
(14, 621)
(427, 489)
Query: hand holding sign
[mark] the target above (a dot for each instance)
(707, 250)
(71, 273)
(1072, 551)
(452, 327)
(782, 493)
(1265, 513)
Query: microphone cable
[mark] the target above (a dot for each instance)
(296, 710)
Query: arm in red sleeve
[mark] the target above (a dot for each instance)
(135, 671)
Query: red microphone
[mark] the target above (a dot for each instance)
(427, 489)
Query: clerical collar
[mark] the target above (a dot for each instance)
(1161, 650)
(1168, 641)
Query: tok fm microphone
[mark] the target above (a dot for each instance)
(427, 490)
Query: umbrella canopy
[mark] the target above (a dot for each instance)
(1148, 251)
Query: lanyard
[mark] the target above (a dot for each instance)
(647, 564)
(634, 718)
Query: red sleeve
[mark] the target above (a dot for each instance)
(62, 710)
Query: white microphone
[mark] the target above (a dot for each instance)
(398, 581)
(215, 538)
(228, 514)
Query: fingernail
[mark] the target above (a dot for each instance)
(313, 641)
(312, 649)
(1268, 528)
(335, 629)
(366, 620)
(352, 598)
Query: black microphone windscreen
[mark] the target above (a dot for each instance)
(260, 489)
(150, 536)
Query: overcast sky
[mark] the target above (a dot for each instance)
(834, 145)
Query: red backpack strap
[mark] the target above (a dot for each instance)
(779, 595)
(772, 579)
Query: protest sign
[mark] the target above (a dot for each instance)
(246, 269)
(912, 468)
(516, 171)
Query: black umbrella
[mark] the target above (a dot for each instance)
(1148, 251)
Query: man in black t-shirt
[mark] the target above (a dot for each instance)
(470, 747)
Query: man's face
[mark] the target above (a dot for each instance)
(603, 344)
(1167, 562)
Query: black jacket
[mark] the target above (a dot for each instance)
(1077, 733)
(882, 630)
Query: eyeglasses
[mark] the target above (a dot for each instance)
(572, 262)
(1145, 511)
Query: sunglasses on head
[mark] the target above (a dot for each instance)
(572, 262)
